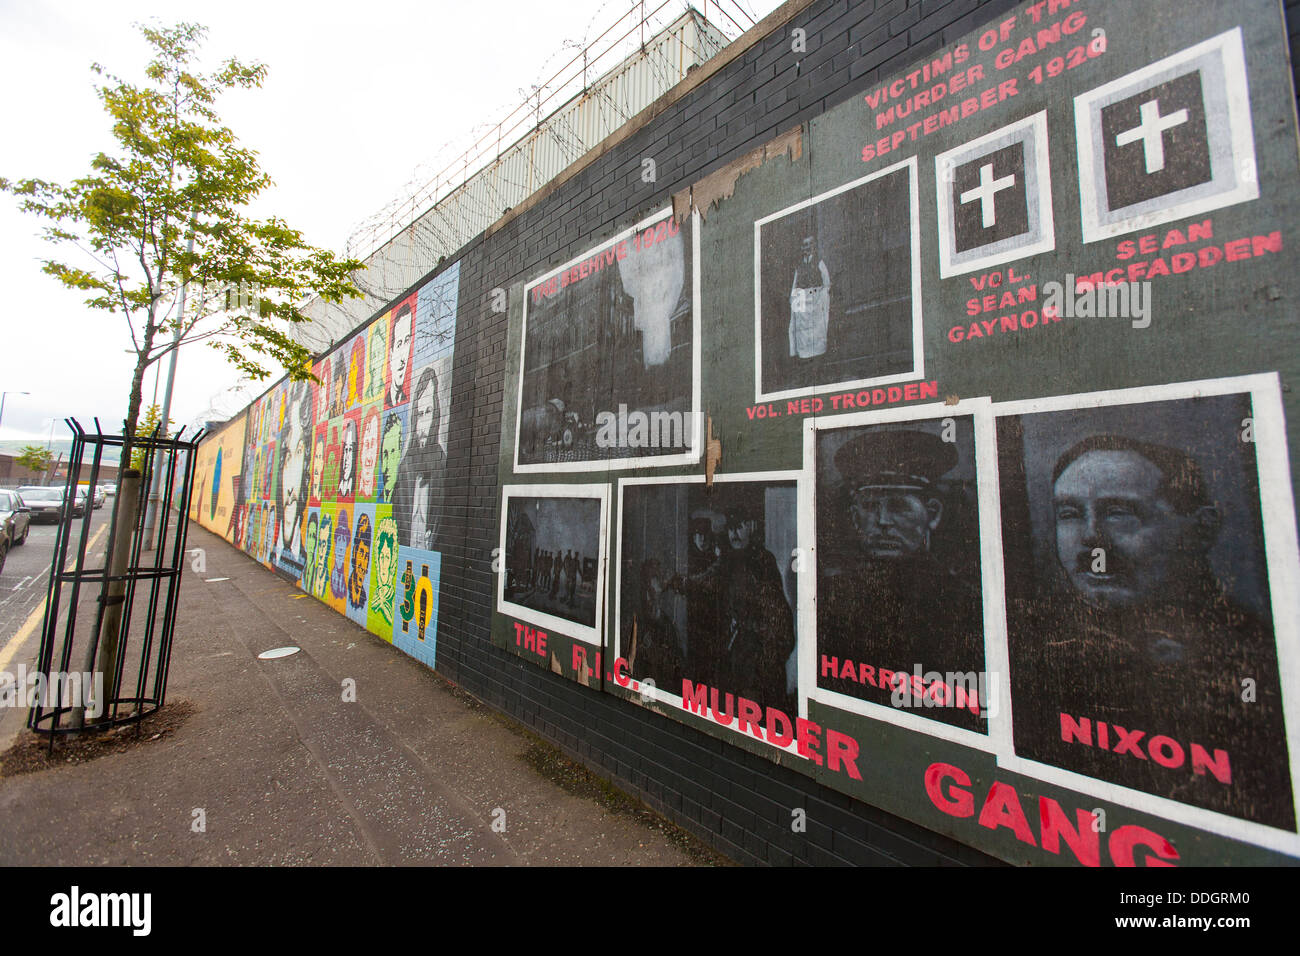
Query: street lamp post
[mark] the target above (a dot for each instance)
(2, 403)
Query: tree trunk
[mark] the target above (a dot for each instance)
(107, 643)
(124, 518)
(133, 405)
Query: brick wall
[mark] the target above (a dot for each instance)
(739, 802)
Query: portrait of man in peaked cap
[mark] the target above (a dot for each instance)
(898, 559)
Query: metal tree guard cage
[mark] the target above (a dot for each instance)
(128, 636)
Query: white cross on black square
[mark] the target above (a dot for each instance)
(988, 198)
(1156, 142)
(995, 198)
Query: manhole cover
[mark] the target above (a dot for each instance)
(275, 652)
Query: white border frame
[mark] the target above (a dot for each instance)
(560, 625)
(1277, 512)
(1037, 122)
(1240, 134)
(918, 338)
(690, 457)
(998, 738)
(675, 699)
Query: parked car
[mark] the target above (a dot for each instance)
(15, 517)
(46, 503)
(96, 494)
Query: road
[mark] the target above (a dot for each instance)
(22, 602)
(27, 570)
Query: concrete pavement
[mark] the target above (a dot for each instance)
(281, 770)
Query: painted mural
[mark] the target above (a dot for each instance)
(218, 478)
(610, 371)
(1001, 537)
(945, 463)
(337, 485)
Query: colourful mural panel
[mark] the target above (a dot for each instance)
(329, 486)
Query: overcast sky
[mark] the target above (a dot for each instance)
(358, 97)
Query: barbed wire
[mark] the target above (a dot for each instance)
(453, 196)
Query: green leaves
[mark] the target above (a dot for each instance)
(34, 458)
(152, 421)
(179, 176)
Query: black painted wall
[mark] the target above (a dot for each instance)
(738, 802)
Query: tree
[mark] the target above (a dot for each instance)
(152, 420)
(35, 458)
(168, 211)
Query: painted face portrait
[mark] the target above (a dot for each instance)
(342, 540)
(292, 469)
(331, 481)
(360, 564)
(255, 489)
(399, 355)
(348, 461)
(357, 371)
(426, 411)
(377, 351)
(268, 531)
(318, 469)
(320, 579)
(740, 533)
(1119, 540)
(266, 471)
(386, 557)
(309, 542)
(892, 478)
(321, 392)
(339, 395)
(391, 455)
(894, 523)
(369, 454)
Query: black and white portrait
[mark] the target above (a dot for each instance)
(400, 347)
(899, 576)
(292, 480)
(1138, 602)
(836, 291)
(418, 490)
(706, 588)
(610, 367)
